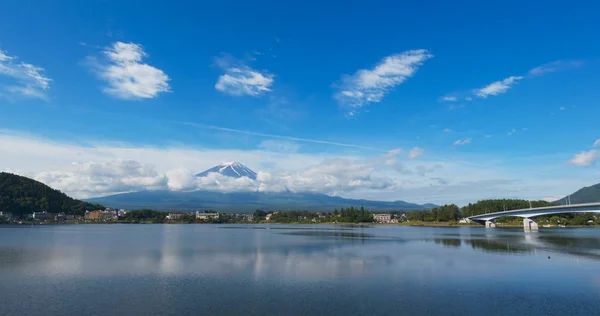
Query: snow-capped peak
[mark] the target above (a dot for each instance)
(231, 169)
(230, 163)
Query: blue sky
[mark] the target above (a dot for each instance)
(478, 92)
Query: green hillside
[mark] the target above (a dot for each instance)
(20, 195)
(589, 194)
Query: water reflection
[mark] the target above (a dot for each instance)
(287, 251)
(449, 242)
(511, 241)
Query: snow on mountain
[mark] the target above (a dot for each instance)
(231, 169)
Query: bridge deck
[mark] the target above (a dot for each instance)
(539, 211)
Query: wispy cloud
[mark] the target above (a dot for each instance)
(372, 85)
(447, 130)
(555, 66)
(585, 158)
(449, 99)
(240, 79)
(415, 152)
(290, 138)
(487, 136)
(511, 132)
(498, 87)
(28, 80)
(127, 76)
(461, 142)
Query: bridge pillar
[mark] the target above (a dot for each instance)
(490, 224)
(530, 224)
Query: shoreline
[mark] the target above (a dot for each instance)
(403, 224)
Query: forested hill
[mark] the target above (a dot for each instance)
(589, 194)
(20, 195)
(492, 206)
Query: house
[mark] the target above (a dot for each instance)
(268, 217)
(60, 217)
(43, 216)
(401, 218)
(93, 215)
(7, 215)
(206, 216)
(176, 215)
(250, 217)
(105, 215)
(382, 218)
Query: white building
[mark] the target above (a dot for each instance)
(382, 218)
(206, 216)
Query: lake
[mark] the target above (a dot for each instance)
(297, 270)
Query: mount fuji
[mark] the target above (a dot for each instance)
(232, 169)
(242, 201)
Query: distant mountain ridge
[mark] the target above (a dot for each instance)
(589, 194)
(232, 169)
(245, 201)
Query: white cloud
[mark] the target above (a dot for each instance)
(449, 99)
(498, 87)
(585, 158)
(468, 99)
(461, 142)
(28, 80)
(94, 169)
(415, 152)
(487, 136)
(562, 108)
(597, 143)
(100, 178)
(511, 132)
(555, 66)
(447, 130)
(372, 85)
(127, 76)
(239, 79)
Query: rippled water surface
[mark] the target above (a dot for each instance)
(297, 270)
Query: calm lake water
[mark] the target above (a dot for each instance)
(297, 270)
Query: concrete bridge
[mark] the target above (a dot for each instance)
(529, 215)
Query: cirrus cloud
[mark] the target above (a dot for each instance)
(498, 87)
(372, 85)
(461, 142)
(27, 80)
(240, 79)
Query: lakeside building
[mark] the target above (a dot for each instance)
(206, 216)
(268, 217)
(104, 215)
(7, 215)
(382, 218)
(42, 216)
